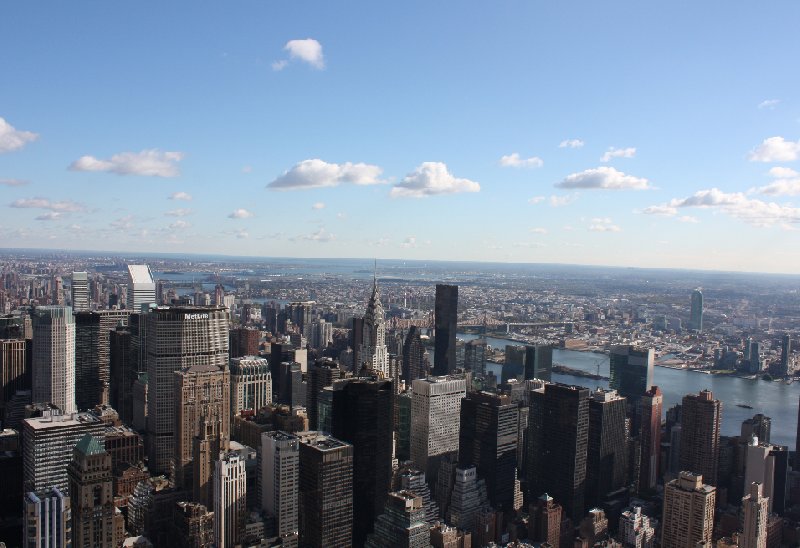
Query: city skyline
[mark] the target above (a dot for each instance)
(616, 135)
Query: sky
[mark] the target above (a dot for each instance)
(625, 133)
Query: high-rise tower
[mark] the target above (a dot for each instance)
(446, 324)
(93, 355)
(53, 360)
(756, 514)
(650, 437)
(688, 512)
(631, 371)
(280, 476)
(696, 314)
(230, 499)
(80, 291)
(435, 420)
(606, 458)
(539, 362)
(414, 364)
(141, 287)
(373, 353)
(700, 430)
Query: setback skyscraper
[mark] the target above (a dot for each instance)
(414, 361)
(53, 359)
(373, 354)
(607, 452)
(446, 324)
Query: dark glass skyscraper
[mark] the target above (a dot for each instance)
(539, 362)
(413, 357)
(631, 371)
(606, 457)
(558, 427)
(446, 323)
(696, 314)
(488, 441)
(93, 355)
(363, 416)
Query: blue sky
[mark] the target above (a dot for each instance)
(619, 133)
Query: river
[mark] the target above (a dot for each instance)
(774, 399)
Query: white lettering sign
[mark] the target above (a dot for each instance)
(198, 316)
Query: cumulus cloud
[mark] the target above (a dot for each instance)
(612, 152)
(307, 50)
(688, 219)
(320, 235)
(63, 206)
(769, 103)
(559, 201)
(180, 225)
(12, 138)
(318, 205)
(736, 204)
(775, 149)
(180, 212)
(536, 200)
(514, 160)
(242, 234)
(538, 230)
(49, 216)
(786, 182)
(430, 179)
(240, 213)
(603, 224)
(123, 223)
(316, 173)
(571, 143)
(14, 182)
(148, 163)
(604, 178)
(182, 196)
(409, 242)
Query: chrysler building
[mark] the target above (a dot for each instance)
(374, 355)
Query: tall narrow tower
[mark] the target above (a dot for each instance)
(230, 499)
(141, 287)
(696, 314)
(688, 512)
(373, 353)
(700, 430)
(446, 323)
(53, 365)
(80, 291)
(650, 436)
(756, 514)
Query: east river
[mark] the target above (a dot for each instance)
(774, 399)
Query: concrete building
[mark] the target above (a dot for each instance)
(48, 519)
(435, 420)
(141, 288)
(545, 521)
(321, 374)
(14, 374)
(53, 357)
(402, 523)
(468, 497)
(700, 431)
(193, 526)
(230, 499)
(636, 529)
(415, 364)
(688, 512)
(80, 292)
(251, 384)
(326, 491)
(177, 338)
(696, 313)
(768, 465)
(756, 512)
(280, 481)
(446, 325)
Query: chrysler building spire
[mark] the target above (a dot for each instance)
(373, 349)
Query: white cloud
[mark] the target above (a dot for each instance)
(320, 235)
(49, 216)
(736, 204)
(430, 179)
(539, 230)
(603, 224)
(180, 225)
(612, 152)
(514, 160)
(182, 196)
(559, 201)
(14, 182)
(786, 183)
(527, 244)
(571, 143)
(12, 138)
(63, 206)
(604, 178)
(149, 163)
(409, 242)
(316, 173)
(307, 50)
(775, 149)
(769, 103)
(123, 223)
(536, 200)
(318, 205)
(242, 234)
(240, 213)
(688, 219)
(180, 212)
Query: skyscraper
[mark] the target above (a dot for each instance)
(607, 451)
(488, 441)
(786, 352)
(768, 465)
(177, 338)
(80, 291)
(93, 355)
(414, 362)
(435, 420)
(53, 360)
(141, 287)
(202, 427)
(631, 371)
(696, 314)
(688, 512)
(402, 523)
(446, 324)
(558, 429)
(230, 499)
(280, 477)
(363, 415)
(636, 529)
(96, 521)
(251, 384)
(475, 356)
(47, 447)
(700, 430)
(650, 437)
(326, 491)
(545, 521)
(760, 426)
(122, 372)
(539, 362)
(48, 519)
(322, 373)
(14, 374)
(373, 353)
(754, 505)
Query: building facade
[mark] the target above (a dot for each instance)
(688, 512)
(280, 481)
(700, 431)
(435, 420)
(230, 499)
(53, 357)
